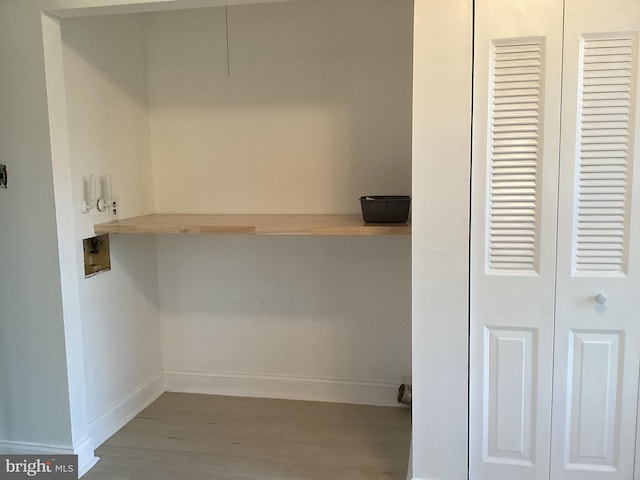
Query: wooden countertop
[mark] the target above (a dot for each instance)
(252, 224)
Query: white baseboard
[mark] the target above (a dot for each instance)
(27, 448)
(118, 414)
(290, 388)
(84, 450)
(86, 457)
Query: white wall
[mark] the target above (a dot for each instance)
(318, 318)
(315, 112)
(105, 76)
(441, 171)
(34, 390)
(42, 381)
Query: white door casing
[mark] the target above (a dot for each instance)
(597, 324)
(516, 121)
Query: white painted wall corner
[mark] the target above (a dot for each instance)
(124, 410)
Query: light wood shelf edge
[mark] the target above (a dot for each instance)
(250, 224)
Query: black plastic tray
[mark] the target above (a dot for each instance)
(385, 208)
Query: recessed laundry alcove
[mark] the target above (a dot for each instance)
(296, 107)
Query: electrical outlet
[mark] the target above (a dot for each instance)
(115, 207)
(3, 176)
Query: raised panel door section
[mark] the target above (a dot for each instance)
(594, 394)
(516, 118)
(597, 339)
(510, 390)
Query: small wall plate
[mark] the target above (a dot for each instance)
(3, 176)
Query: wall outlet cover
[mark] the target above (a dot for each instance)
(115, 206)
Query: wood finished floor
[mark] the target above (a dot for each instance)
(187, 436)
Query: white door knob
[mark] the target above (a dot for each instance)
(601, 298)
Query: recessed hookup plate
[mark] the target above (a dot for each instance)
(3, 176)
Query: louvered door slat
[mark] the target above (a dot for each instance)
(514, 157)
(603, 178)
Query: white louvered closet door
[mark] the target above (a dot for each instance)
(516, 124)
(597, 339)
